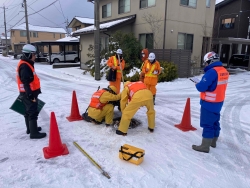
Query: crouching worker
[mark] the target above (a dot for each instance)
(100, 108)
(138, 95)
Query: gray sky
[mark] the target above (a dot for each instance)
(51, 16)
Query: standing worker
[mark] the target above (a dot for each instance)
(144, 57)
(114, 64)
(138, 95)
(29, 88)
(151, 69)
(213, 88)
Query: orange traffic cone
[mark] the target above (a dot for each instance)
(75, 114)
(56, 148)
(185, 124)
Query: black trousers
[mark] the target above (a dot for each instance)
(31, 108)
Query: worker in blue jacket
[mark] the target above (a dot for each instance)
(212, 88)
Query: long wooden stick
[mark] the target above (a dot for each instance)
(92, 160)
(121, 68)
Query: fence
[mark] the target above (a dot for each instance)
(181, 58)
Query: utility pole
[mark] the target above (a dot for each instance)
(6, 43)
(67, 27)
(97, 41)
(27, 22)
(248, 31)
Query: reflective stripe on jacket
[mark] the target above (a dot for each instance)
(95, 100)
(34, 85)
(218, 95)
(151, 69)
(115, 63)
(134, 87)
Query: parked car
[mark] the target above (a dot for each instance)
(239, 60)
(69, 56)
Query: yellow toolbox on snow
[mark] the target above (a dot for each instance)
(131, 154)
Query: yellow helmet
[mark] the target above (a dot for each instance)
(113, 88)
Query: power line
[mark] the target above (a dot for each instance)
(42, 8)
(62, 10)
(33, 2)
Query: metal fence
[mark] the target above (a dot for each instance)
(181, 58)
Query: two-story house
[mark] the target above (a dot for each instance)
(37, 33)
(3, 41)
(158, 24)
(231, 28)
(79, 22)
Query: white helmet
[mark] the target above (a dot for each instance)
(151, 57)
(119, 51)
(28, 48)
(211, 57)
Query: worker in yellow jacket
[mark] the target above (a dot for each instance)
(151, 69)
(100, 108)
(138, 95)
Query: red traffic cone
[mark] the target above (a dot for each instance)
(75, 114)
(185, 124)
(56, 148)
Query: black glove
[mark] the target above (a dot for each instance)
(31, 97)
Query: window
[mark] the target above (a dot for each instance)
(208, 3)
(60, 36)
(124, 6)
(78, 27)
(147, 40)
(146, 3)
(190, 3)
(23, 34)
(185, 41)
(104, 43)
(227, 23)
(35, 34)
(13, 33)
(106, 10)
(54, 35)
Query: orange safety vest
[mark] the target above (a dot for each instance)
(134, 87)
(34, 85)
(151, 70)
(218, 95)
(95, 100)
(115, 63)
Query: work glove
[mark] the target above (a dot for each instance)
(155, 72)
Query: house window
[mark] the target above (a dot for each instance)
(23, 34)
(227, 23)
(60, 36)
(54, 35)
(208, 3)
(35, 34)
(106, 10)
(190, 3)
(185, 41)
(104, 43)
(146, 3)
(124, 6)
(147, 40)
(12, 33)
(78, 27)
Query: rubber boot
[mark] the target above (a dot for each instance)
(154, 99)
(205, 145)
(27, 125)
(213, 144)
(34, 134)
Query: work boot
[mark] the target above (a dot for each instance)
(154, 99)
(151, 130)
(205, 145)
(213, 144)
(27, 125)
(34, 134)
(121, 133)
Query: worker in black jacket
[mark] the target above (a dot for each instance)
(29, 88)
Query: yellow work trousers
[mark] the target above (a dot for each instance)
(130, 110)
(106, 113)
(152, 88)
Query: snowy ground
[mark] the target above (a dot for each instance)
(169, 160)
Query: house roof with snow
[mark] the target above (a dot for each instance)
(3, 38)
(82, 20)
(40, 28)
(104, 26)
(69, 39)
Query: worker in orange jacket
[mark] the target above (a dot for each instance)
(115, 64)
(151, 69)
(144, 57)
(138, 95)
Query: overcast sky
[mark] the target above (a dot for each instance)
(54, 16)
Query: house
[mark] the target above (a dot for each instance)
(231, 28)
(79, 22)
(3, 40)
(171, 24)
(37, 33)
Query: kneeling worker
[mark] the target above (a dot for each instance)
(99, 107)
(138, 95)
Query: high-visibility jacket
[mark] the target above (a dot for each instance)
(134, 87)
(95, 100)
(218, 95)
(34, 85)
(148, 69)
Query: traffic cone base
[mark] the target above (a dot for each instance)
(75, 114)
(185, 124)
(50, 154)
